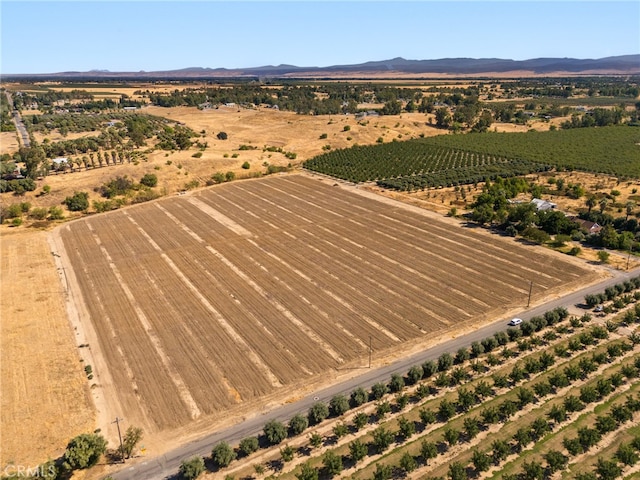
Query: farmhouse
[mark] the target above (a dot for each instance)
(543, 204)
(590, 227)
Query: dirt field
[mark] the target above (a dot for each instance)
(45, 394)
(218, 302)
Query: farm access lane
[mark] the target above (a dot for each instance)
(167, 465)
(17, 120)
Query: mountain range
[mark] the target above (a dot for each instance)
(393, 68)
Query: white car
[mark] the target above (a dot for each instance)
(515, 321)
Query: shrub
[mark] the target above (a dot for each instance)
(149, 180)
(275, 432)
(222, 136)
(246, 165)
(197, 155)
(298, 424)
(79, 202)
(84, 451)
(192, 468)
(222, 454)
(249, 445)
(318, 412)
(339, 405)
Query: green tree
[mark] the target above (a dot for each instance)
(298, 424)
(339, 405)
(397, 383)
(457, 471)
(406, 427)
(415, 374)
(608, 469)
(378, 390)
(382, 438)
(249, 445)
(500, 450)
(192, 468)
(556, 461)
(149, 180)
(84, 451)
(275, 432)
(532, 470)
(307, 472)
(222, 454)
(79, 202)
(451, 436)
(357, 451)
(287, 453)
(382, 472)
(428, 451)
(318, 412)
(358, 397)
(443, 117)
(360, 419)
(131, 438)
(315, 439)
(627, 454)
(481, 461)
(332, 463)
(408, 463)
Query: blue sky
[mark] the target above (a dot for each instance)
(52, 36)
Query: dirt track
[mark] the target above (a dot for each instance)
(212, 303)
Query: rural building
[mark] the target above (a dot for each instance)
(60, 160)
(543, 204)
(130, 108)
(586, 225)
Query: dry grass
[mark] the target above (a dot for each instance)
(45, 395)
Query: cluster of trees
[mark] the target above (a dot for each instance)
(85, 450)
(595, 390)
(276, 432)
(598, 117)
(6, 121)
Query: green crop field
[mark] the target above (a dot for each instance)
(452, 159)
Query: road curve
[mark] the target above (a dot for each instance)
(167, 465)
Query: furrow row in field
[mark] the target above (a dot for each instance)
(504, 263)
(413, 257)
(171, 311)
(282, 292)
(180, 261)
(152, 334)
(337, 262)
(492, 246)
(428, 287)
(131, 342)
(261, 307)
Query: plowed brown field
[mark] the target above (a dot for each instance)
(213, 300)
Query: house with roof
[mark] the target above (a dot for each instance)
(543, 204)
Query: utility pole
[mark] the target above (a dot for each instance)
(369, 351)
(530, 290)
(117, 422)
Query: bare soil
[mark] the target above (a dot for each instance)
(216, 304)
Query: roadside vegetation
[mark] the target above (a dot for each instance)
(558, 393)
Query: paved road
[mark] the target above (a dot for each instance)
(167, 465)
(17, 120)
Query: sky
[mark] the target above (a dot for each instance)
(135, 35)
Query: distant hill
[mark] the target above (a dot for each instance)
(396, 67)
